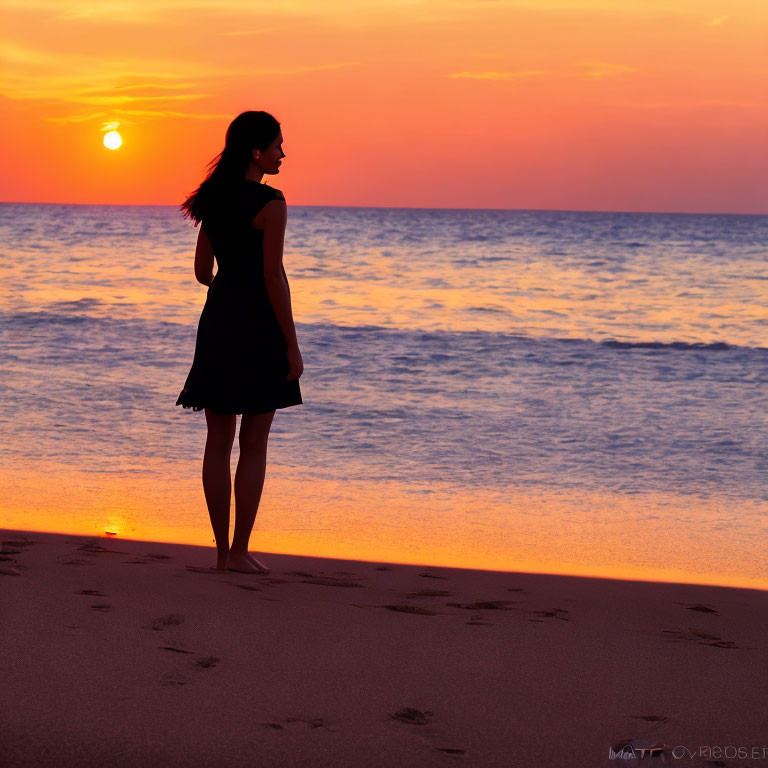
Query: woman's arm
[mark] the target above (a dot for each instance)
(275, 216)
(203, 258)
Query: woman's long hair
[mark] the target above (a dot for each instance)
(248, 131)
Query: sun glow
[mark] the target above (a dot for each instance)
(112, 140)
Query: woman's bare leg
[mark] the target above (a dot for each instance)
(217, 479)
(249, 483)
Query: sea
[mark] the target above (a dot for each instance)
(563, 392)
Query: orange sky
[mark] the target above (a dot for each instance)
(626, 105)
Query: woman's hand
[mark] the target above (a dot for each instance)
(296, 363)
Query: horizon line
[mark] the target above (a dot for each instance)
(406, 208)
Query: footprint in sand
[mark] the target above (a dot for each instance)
(162, 622)
(410, 609)
(427, 575)
(200, 569)
(148, 558)
(9, 548)
(330, 581)
(179, 676)
(290, 723)
(699, 637)
(207, 662)
(94, 547)
(477, 620)
(412, 716)
(429, 593)
(555, 613)
(92, 592)
(700, 608)
(174, 678)
(103, 607)
(383, 568)
(15, 546)
(493, 605)
(651, 718)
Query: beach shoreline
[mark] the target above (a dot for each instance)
(127, 652)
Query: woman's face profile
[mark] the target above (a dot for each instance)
(270, 159)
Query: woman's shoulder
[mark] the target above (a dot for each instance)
(273, 193)
(266, 190)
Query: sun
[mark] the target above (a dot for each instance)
(112, 140)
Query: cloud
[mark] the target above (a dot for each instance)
(144, 114)
(498, 75)
(252, 32)
(33, 73)
(122, 12)
(587, 70)
(117, 99)
(703, 103)
(140, 86)
(75, 118)
(596, 70)
(177, 12)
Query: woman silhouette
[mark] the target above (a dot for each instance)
(247, 359)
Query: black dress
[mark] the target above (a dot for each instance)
(240, 360)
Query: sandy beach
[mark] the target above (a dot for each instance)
(128, 653)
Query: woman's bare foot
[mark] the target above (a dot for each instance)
(256, 562)
(244, 564)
